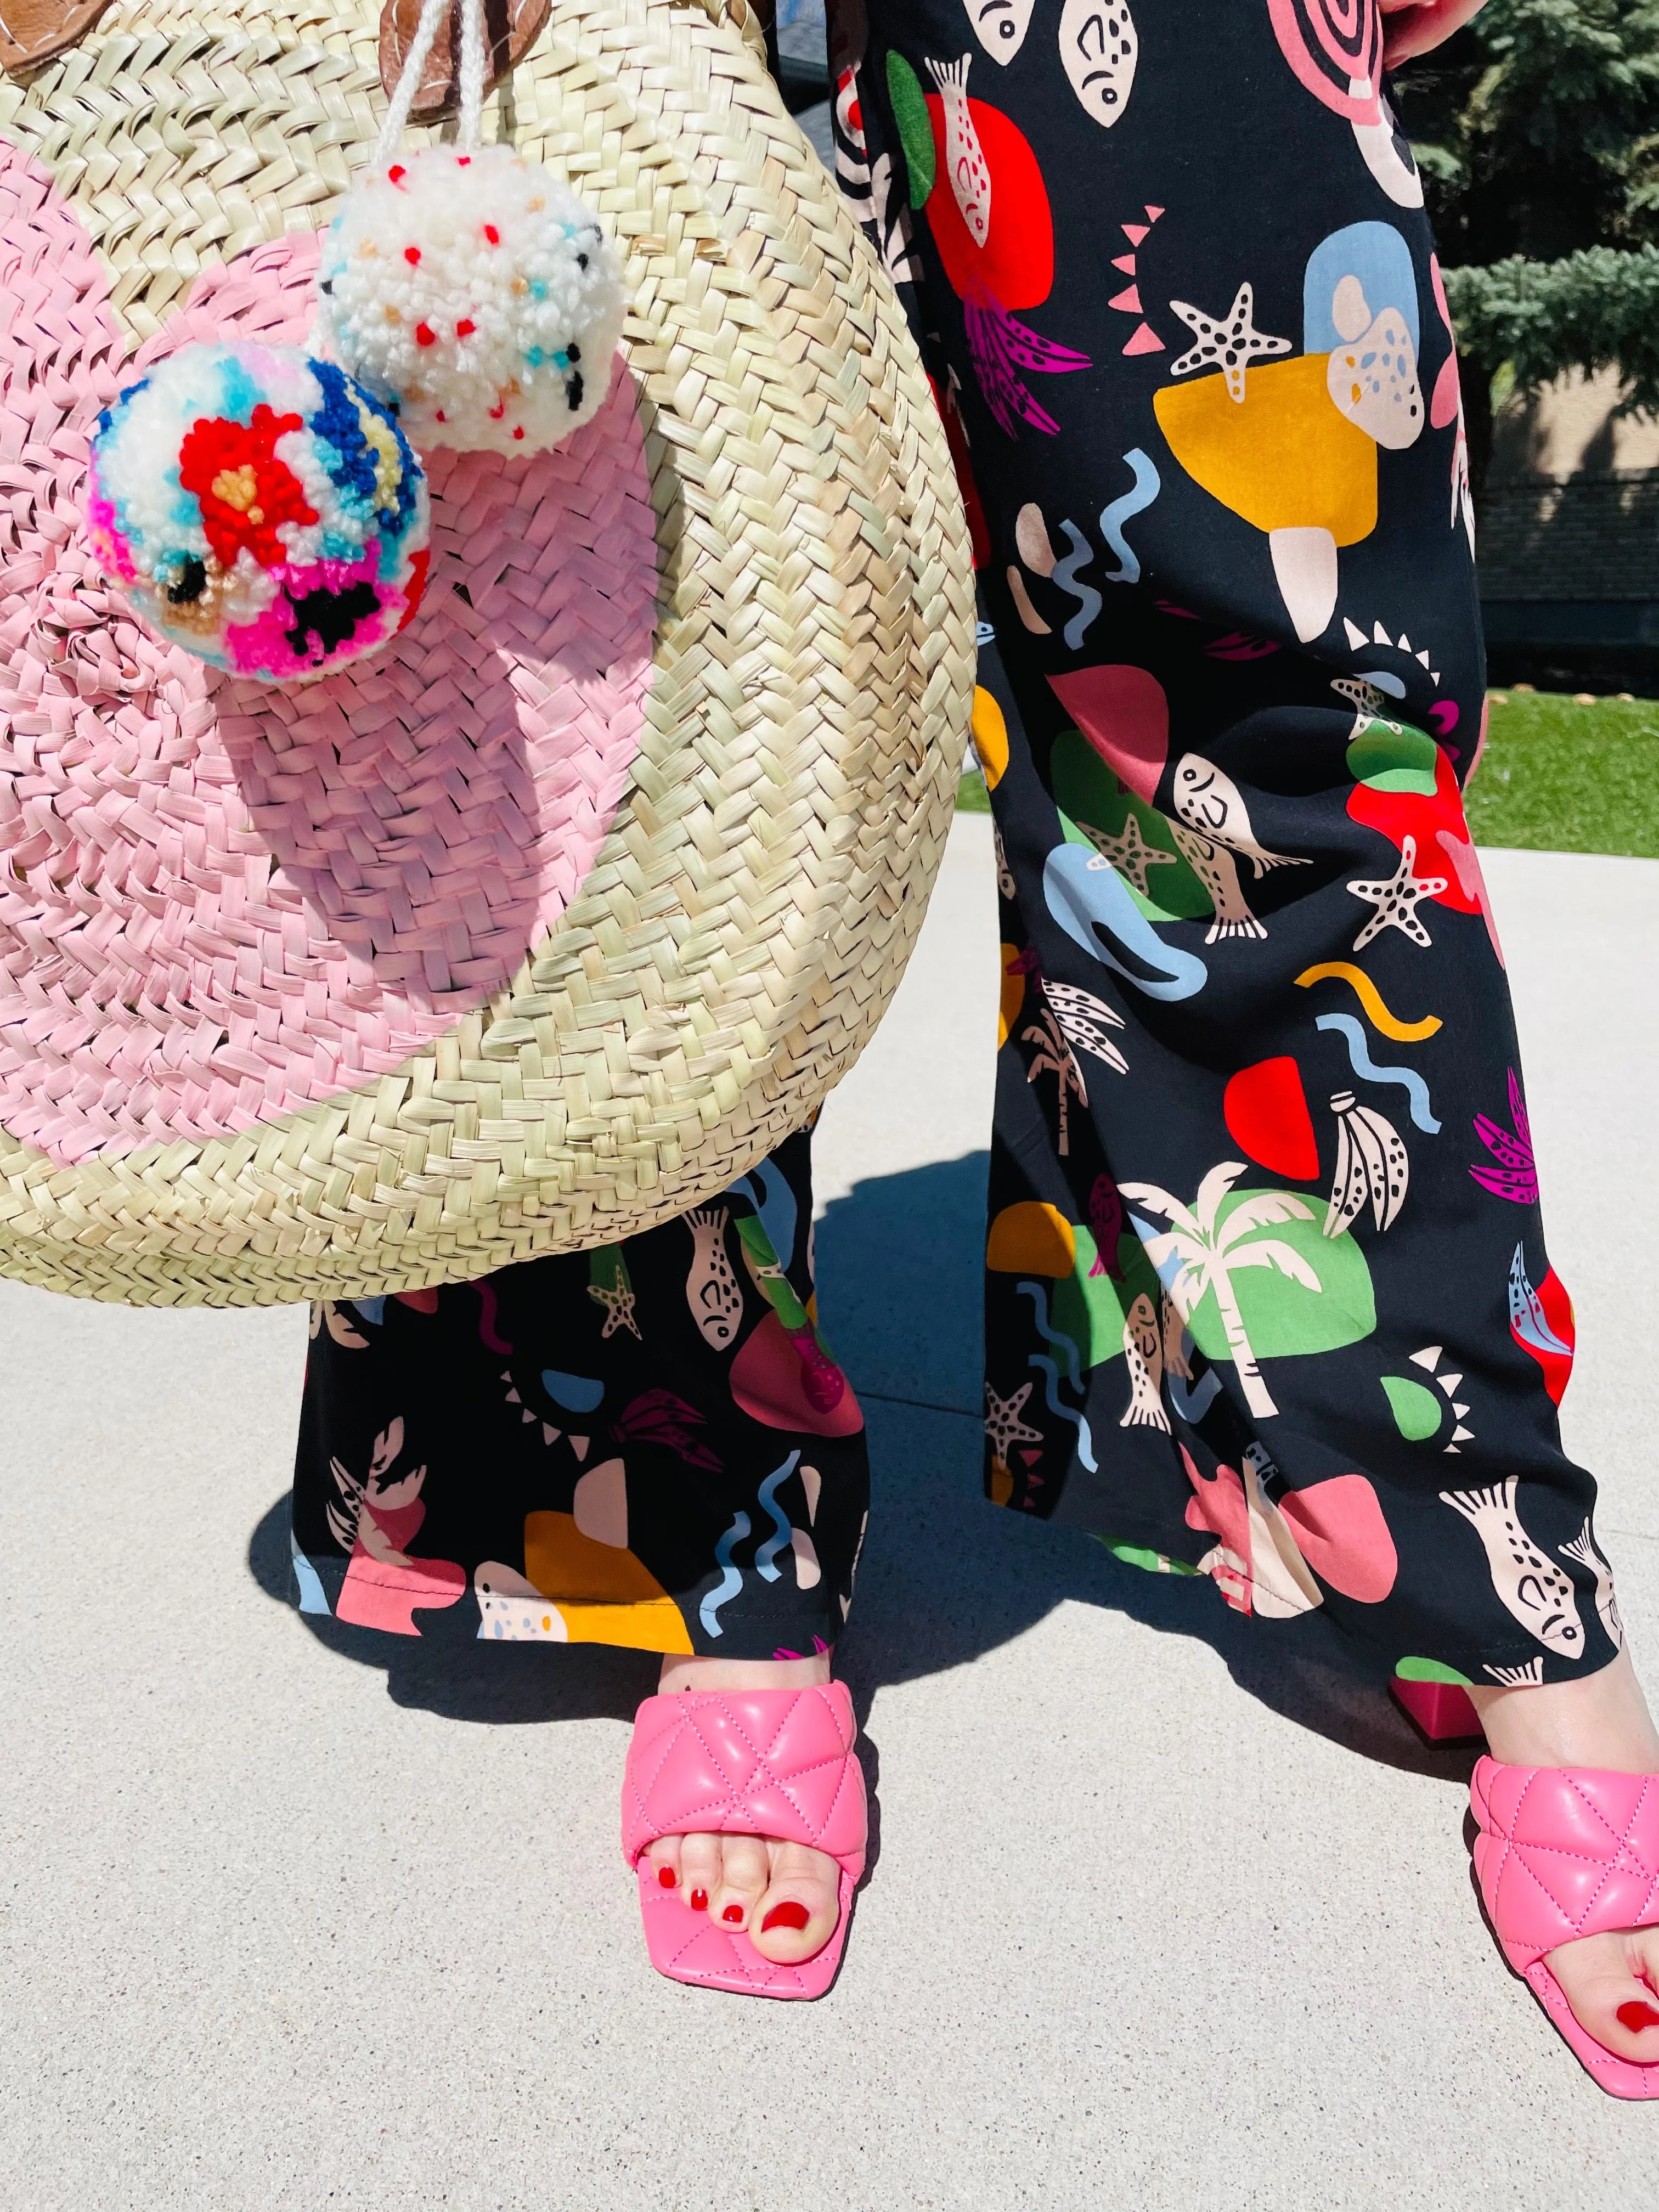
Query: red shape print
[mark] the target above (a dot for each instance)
(949, 414)
(767, 1383)
(1266, 1110)
(1444, 846)
(1218, 1505)
(1340, 1532)
(1016, 264)
(424, 1302)
(1125, 715)
(383, 1587)
(1558, 1312)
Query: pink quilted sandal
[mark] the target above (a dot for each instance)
(743, 1763)
(1566, 1851)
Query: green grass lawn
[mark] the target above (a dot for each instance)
(1559, 776)
(1566, 778)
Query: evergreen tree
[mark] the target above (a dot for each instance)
(1537, 131)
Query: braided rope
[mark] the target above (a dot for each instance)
(540, 930)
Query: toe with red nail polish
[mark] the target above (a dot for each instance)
(789, 1914)
(699, 1900)
(734, 1916)
(1635, 2015)
(667, 1877)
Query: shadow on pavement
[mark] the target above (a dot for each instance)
(946, 1577)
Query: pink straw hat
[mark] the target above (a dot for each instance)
(545, 923)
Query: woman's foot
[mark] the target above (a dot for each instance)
(786, 1895)
(1611, 1982)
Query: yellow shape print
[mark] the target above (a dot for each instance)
(1031, 1238)
(1370, 998)
(1283, 457)
(990, 734)
(603, 1596)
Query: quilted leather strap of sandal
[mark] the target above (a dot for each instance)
(774, 1763)
(1565, 1851)
(743, 1762)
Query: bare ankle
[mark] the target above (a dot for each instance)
(1596, 1719)
(716, 1674)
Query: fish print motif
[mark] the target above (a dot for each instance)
(1000, 26)
(1217, 870)
(1142, 1348)
(711, 1288)
(1098, 49)
(1105, 1224)
(1211, 803)
(964, 157)
(1531, 1588)
(1582, 1548)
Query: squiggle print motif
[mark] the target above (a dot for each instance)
(1147, 485)
(1050, 1373)
(1360, 1059)
(1371, 998)
(1056, 1337)
(1193, 1404)
(1065, 575)
(766, 1559)
(731, 1577)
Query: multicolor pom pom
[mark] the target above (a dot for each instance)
(476, 292)
(261, 509)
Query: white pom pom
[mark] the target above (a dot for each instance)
(476, 292)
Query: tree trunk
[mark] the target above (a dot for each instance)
(1475, 377)
(1257, 1396)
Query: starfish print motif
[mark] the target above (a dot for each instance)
(1002, 1422)
(1128, 851)
(1397, 899)
(618, 1306)
(1232, 344)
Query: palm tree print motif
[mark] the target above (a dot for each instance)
(1054, 1057)
(1208, 1253)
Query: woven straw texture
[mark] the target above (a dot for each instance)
(545, 925)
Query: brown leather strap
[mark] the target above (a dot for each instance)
(33, 32)
(513, 27)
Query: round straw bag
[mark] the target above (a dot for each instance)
(546, 923)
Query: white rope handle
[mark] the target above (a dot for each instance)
(434, 13)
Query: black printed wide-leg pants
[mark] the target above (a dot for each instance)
(1267, 1291)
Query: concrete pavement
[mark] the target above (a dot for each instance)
(1169, 1908)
